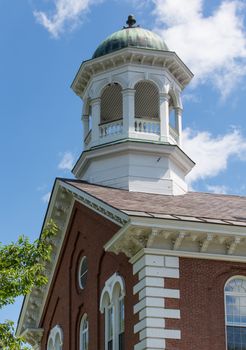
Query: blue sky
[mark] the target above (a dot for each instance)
(42, 44)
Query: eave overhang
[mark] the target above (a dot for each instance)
(193, 237)
(167, 60)
(123, 146)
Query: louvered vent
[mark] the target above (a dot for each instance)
(147, 100)
(111, 103)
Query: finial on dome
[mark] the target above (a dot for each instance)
(131, 21)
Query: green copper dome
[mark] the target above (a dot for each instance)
(131, 36)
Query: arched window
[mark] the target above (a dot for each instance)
(83, 271)
(112, 305)
(55, 339)
(111, 103)
(147, 101)
(84, 333)
(235, 313)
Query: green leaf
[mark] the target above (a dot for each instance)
(22, 266)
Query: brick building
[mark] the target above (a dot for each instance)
(139, 262)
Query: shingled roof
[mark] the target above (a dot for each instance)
(202, 206)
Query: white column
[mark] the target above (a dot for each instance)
(85, 123)
(178, 124)
(153, 270)
(164, 117)
(95, 117)
(128, 112)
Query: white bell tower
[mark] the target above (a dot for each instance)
(132, 114)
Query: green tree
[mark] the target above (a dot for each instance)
(22, 266)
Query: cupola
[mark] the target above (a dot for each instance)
(131, 36)
(132, 114)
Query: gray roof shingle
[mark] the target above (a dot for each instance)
(193, 204)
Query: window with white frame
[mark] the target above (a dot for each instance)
(121, 323)
(112, 305)
(235, 313)
(55, 339)
(110, 327)
(84, 333)
(83, 271)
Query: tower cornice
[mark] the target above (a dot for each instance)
(167, 60)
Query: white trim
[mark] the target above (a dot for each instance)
(109, 289)
(109, 300)
(37, 299)
(184, 75)
(83, 332)
(43, 292)
(98, 206)
(149, 322)
(79, 271)
(151, 344)
(152, 295)
(183, 225)
(55, 338)
(159, 313)
(179, 238)
(160, 333)
(33, 336)
(98, 165)
(148, 282)
(148, 302)
(149, 271)
(159, 293)
(232, 324)
(187, 254)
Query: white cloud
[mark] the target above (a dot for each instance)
(67, 14)
(46, 197)
(220, 189)
(213, 47)
(211, 154)
(191, 98)
(67, 161)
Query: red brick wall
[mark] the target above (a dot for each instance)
(201, 285)
(87, 234)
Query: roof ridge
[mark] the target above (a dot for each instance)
(157, 194)
(218, 194)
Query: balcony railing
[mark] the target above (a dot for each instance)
(147, 126)
(111, 128)
(149, 129)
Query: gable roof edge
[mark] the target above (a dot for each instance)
(59, 209)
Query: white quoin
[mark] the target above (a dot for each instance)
(129, 141)
(152, 271)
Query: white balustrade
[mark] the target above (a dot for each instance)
(148, 126)
(110, 129)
